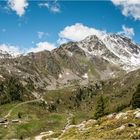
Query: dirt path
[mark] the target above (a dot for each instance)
(44, 134)
(11, 110)
(36, 95)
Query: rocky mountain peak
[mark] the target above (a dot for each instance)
(94, 58)
(114, 48)
(4, 54)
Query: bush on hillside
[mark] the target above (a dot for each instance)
(135, 102)
(11, 90)
(100, 107)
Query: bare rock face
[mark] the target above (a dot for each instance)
(92, 59)
(137, 114)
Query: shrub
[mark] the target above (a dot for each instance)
(135, 102)
(11, 90)
(100, 107)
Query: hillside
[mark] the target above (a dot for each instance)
(122, 125)
(40, 91)
(91, 59)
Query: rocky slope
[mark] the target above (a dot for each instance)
(72, 110)
(122, 125)
(114, 48)
(69, 80)
(91, 59)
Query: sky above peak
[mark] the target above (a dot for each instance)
(27, 25)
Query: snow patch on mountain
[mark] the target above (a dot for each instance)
(85, 76)
(114, 48)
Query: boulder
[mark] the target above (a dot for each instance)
(121, 127)
(131, 125)
(137, 115)
(121, 115)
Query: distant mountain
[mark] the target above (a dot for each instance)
(114, 48)
(4, 54)
(92, 59)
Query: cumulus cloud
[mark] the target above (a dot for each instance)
(129, 7)
(13, 50)
(18, 6)
(126, 31)
(41, 46)
(51, 6)
(62, 41)
(78, 32)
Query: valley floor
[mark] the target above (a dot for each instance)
(64, 126)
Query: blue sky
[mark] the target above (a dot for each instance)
(32, 25)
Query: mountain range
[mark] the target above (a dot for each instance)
(51, 93)
(92, 59)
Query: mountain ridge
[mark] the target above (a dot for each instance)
(91, 59)
(40, 90)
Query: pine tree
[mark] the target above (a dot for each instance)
(19, 115)
(136, 98)
(99, 111)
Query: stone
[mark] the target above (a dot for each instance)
(137, 115)
(131, 125)
(121, 127)
(120, 115)
(111, 116)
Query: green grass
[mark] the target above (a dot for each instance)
(34, 119)
(106, 129)
(5, 108)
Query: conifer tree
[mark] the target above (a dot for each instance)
(136, 98)
(99, 111)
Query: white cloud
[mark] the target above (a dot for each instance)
(126, 31)
(44, 5)
(62, 41)
(52, 6)
(129, 7)
(55, 8)
(40, 34)
(78, 32)
(41, 46)
(13, 50)
(18, 6)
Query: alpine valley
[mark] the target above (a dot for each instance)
(81, 90)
